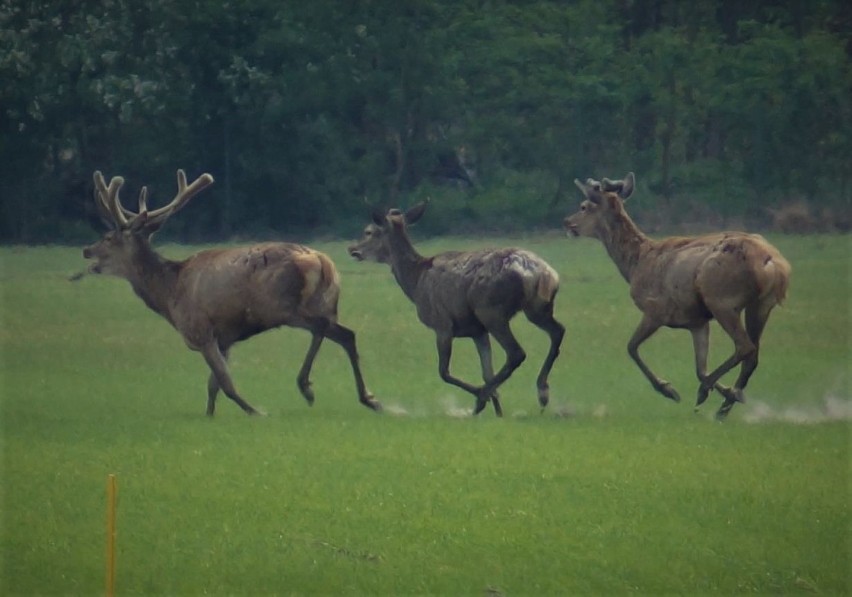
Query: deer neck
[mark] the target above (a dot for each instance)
(154, 279)
(624, 242)
(406, 263)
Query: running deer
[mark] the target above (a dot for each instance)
(469, 295)
(218, 297)
(685, 282)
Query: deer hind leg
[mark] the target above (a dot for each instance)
(701, 345)
(304, 378)
(646, 329)
(346, 338)
(755, 322)
(218, 364)
(498, 326)
(444, 344)
(483, 348)
(744, 350)
(543, 318)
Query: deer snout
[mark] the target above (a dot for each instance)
(570, 226)
(89, 253)
(355, 253)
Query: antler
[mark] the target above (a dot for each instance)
(612, 185)
(109, 204)
(184, 194)
(107, 199)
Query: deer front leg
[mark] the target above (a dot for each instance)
(483, 348)
(219, 366)
(646, 329)
(213, 388)
(444, 343)
(212, 391)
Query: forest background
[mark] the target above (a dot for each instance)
(727, 111)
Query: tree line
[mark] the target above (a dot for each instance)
(301, 110)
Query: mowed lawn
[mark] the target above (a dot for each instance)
(614, 489)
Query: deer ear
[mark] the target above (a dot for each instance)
(376, 214)
(142, 224)
(416, 212)
(139, 222)
(627, 186)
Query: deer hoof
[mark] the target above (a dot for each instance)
(371, 403)
(667, 390)
(307, 392)
(722, 413)
(703, 392)
(480, 405)
(543, 397)
(732, 394)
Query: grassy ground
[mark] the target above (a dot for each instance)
(613, 490)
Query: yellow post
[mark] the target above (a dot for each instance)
(110, 542)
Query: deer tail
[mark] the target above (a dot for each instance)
(548, 284)
(329, 272)
(775, 276)
(321, 288)
(329, 286)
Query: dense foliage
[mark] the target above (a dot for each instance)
(302, 109)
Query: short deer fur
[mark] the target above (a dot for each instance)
(221, 296)
(469, 295)
(685, 282)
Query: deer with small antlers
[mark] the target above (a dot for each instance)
(218, 297)
(469, 295)
(685, 282)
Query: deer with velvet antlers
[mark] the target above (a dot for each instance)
(685, 282)
(218, 297)
(469, 295)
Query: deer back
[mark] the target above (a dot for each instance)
(458, 283)
(234, 293)
(676, 277)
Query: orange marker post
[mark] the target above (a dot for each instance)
(110, 542)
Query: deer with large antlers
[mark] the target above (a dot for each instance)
(218, 297)
(469, 295)
(685, 282)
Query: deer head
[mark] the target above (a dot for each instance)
(130, 232)
(375, 243)
(601, 198)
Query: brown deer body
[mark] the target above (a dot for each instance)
(469, 295)
(685, 282)
(218, 297)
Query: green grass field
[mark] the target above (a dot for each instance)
(614, 490)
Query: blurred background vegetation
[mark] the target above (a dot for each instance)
(728, 111)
